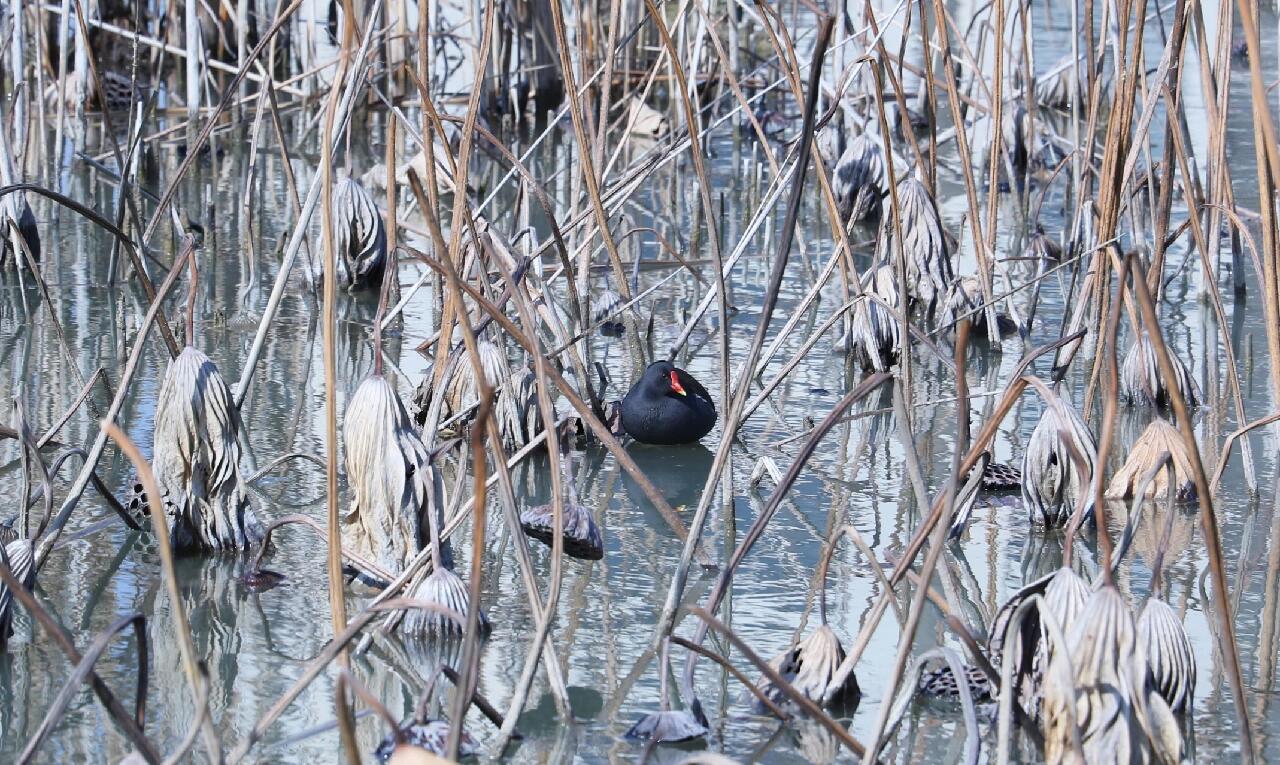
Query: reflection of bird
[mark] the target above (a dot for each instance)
(683, 472)
(668, 406)
(358, 236)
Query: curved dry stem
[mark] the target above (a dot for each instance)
(810, 708)
(318, 665)
(911, 686)
(1055, 633)
(738, 674)
(83, 670)
(132, 728)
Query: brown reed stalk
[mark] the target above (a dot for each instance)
(936, 545)
(336, 585)
(479, 514)
(462, 174)
(1268, 170)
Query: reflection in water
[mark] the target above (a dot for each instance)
(257, 644)
(683, 471)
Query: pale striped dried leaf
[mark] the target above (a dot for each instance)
(810, 667)
(874, 336)
(1052, 483)
(390, 476)
(20, 555)
(359, 237)
(1105, 703)
(859, 182)
(196, 458)
(447, 589)
(1169, 656)
(1142, 382)
(928, 259)
(647, 121)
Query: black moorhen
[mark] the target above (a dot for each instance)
(667, 406)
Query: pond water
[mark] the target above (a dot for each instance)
(256, 644)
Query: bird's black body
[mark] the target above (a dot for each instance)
(667, 406)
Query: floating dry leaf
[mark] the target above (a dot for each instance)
(581, 535)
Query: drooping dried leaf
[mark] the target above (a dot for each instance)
(1053, 88)
(390, 476)
(929, 267)
(962, 300)
(810, 667)
(359, 238)
(519, 418)
(1052, 483)
(858, 182)
(607, 314)
(196, 458)
(447, 589)
(1169, 656)
(647, 121)
(1158, 438)
(20, 554)
(1103, 699)
(1065, 596)
(1142, 382)
(874, 338)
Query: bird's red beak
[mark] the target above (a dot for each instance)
(676, 387)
